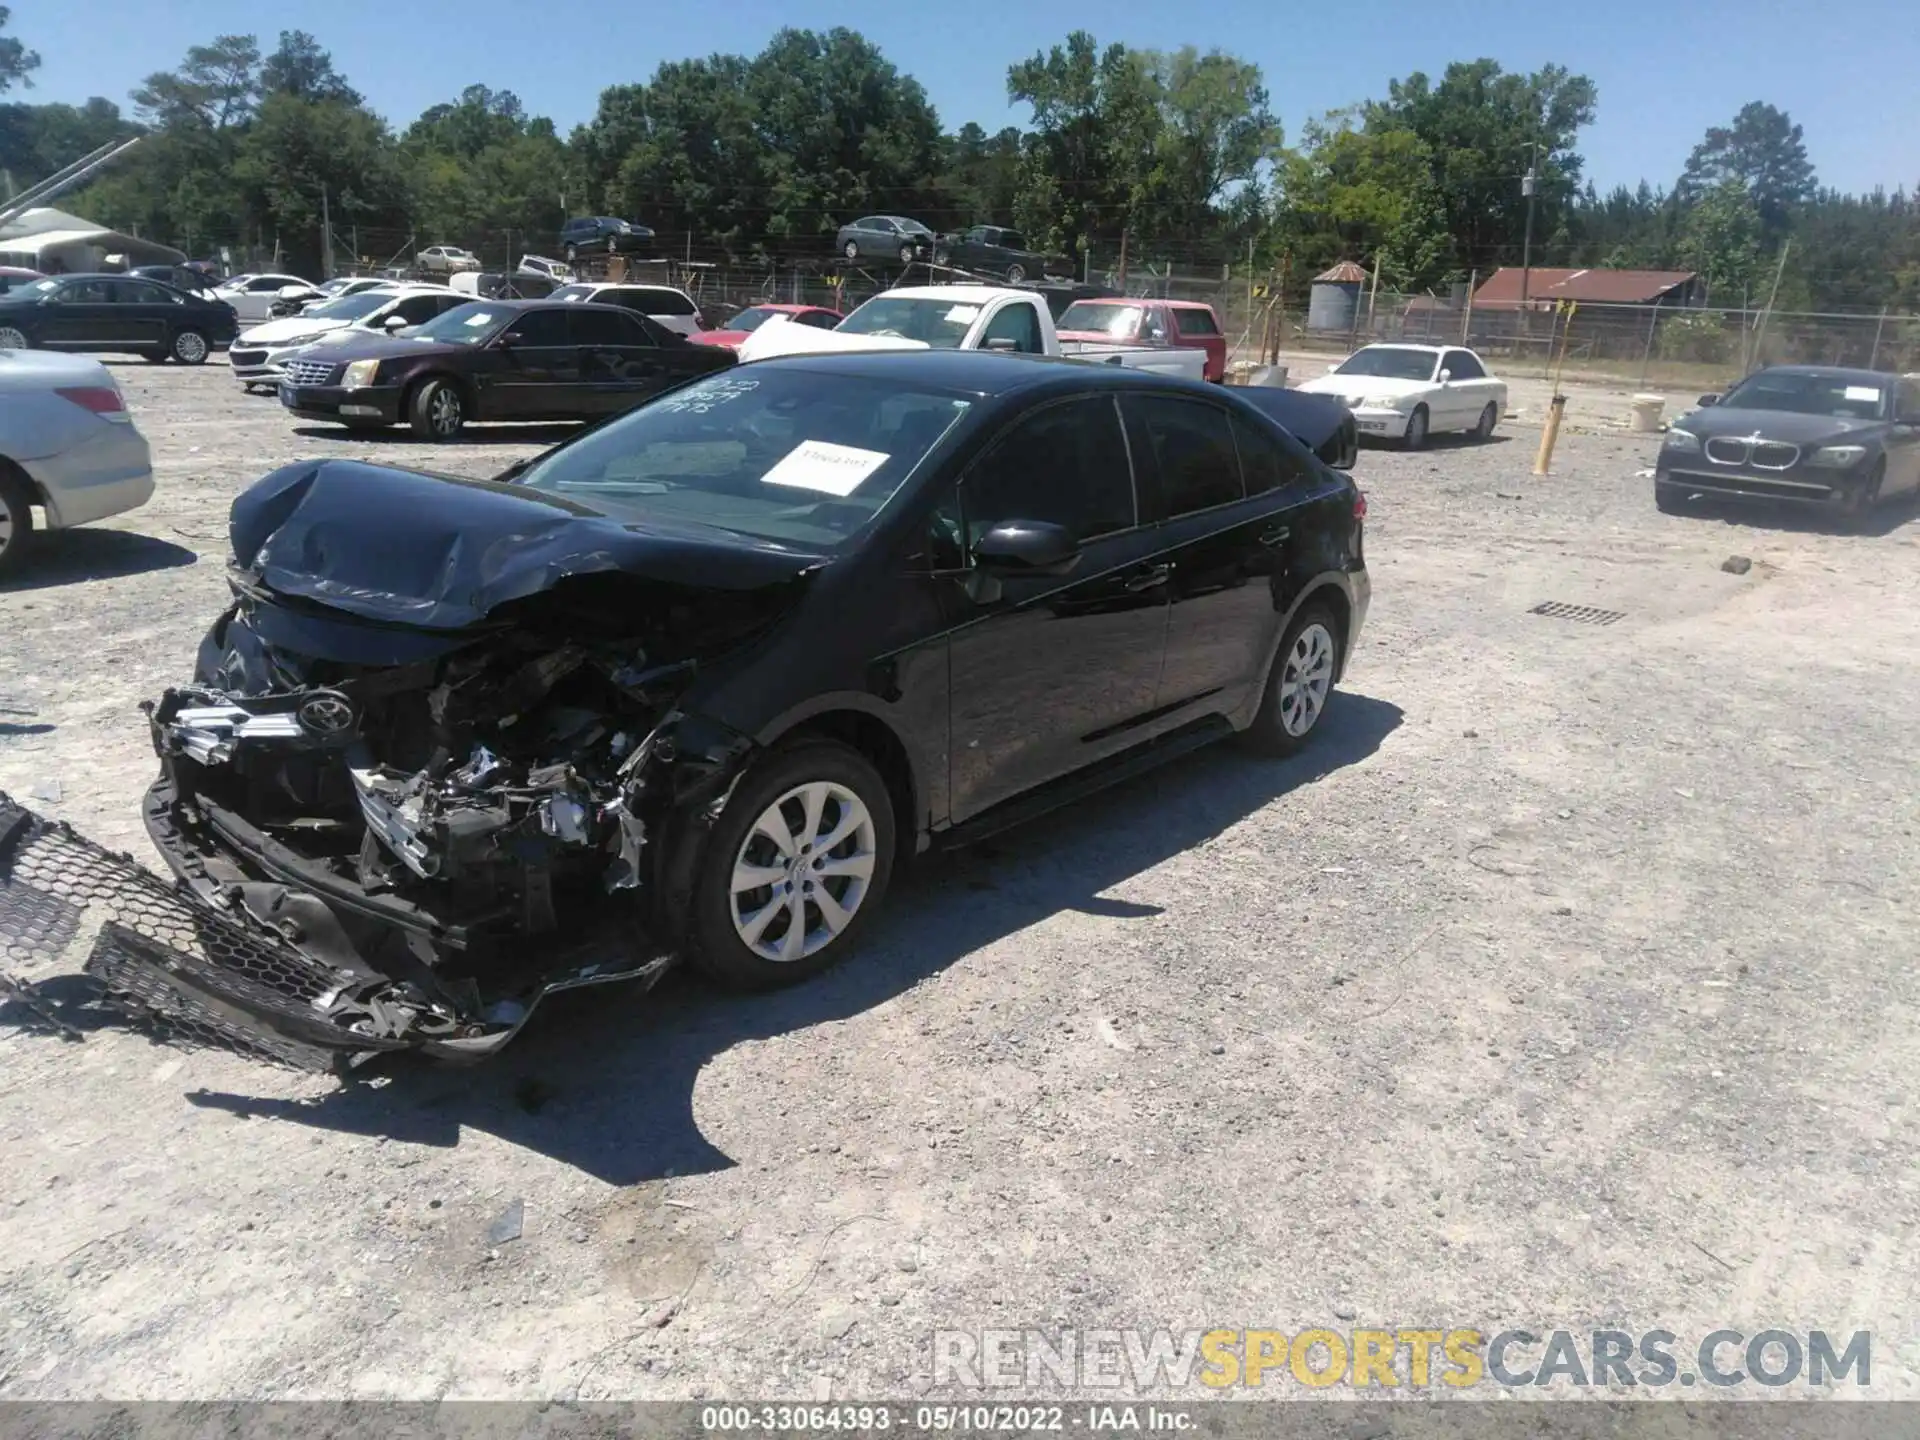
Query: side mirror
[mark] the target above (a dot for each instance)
(1002, 343)
(1333, 367)
(1027, 547)
(395, 322)
(1445, 376)
(1710, 399)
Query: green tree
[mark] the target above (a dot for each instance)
(1483, 128)
(216, 87)
(17, 63)
(1721, 241)
(1217, 130)
(301, 69)
(1764, 151)
(1349, 194)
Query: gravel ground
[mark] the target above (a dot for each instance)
(1567, 982)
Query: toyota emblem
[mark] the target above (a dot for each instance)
(325, 714)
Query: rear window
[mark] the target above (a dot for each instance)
(1195, 322)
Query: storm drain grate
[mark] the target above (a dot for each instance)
(1580, 614)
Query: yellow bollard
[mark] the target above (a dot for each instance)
(1543, 462)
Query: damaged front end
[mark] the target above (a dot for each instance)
(427, 831)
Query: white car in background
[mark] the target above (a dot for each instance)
(351, 285)
(67, 446)
(1408, 392)
(252, 296)
(258, 355)
(660, 303)
(446, 260)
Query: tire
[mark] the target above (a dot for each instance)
(13, 338)
(1859, 507)
(851, 250)
(1489, 418)
(1670, 499)
(190, 347)
(726, 943)
(906, 254)
(1416, 435)
(1299, 685)
(943, 257)
(17, 535)
(437, 411)
(1016, 273)
(159, 357)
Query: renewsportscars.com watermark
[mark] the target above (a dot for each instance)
(1381, 1359)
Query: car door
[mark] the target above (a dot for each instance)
(1051, 672)
(1903, 440)
(620, 363)
(1221, 540)
(143, 313)
(538, 370)
(1468, 389)
(1016, 326)
(79, 317)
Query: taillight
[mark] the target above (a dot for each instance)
(102, 400)
(1359, 506)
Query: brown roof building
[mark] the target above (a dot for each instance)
(1596, 286)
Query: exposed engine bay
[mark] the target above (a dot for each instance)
(412, 835)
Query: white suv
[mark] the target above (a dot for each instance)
(662, 303)
(258, 355)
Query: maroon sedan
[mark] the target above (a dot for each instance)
(736, 330)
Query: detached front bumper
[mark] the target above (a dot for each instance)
(372, 405)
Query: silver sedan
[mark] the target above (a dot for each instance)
(67, 447)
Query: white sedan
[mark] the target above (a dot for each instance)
(1408, 392)
(447, 260)
(257, 356)
(67, 446)
(252, 296)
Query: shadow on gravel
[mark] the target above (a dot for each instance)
(63, 557)
(607, 1087)
(1884, 519)
(542, 434)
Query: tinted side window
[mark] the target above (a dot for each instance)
(1067, 465)
(88, 292)
(1019, 323)
(663, 302)
(819, 319)
(1462, 366)
(1192, 447)
(1264, 462)
(601, 327)
(1013, 240)
(540, 327)
(138, 292)
(417, 309)
(1195, 322)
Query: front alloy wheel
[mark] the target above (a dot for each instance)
(12, 338)
(437, 412)
(795, 867)
(190, 347)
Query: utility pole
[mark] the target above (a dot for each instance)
(326, 237)
(1529, 183)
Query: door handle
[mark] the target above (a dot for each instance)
(1150, 577)
(1275, 535)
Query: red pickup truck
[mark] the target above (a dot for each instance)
(1182, 324)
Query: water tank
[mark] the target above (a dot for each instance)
(1335, 295)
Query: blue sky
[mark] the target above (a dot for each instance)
(1665, 71)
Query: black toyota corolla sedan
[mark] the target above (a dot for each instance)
(696, 681)
(1807, 434)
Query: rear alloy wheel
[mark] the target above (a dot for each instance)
(1489, 418)
(1016, 273)
(437, 412)
(1299, 686)
(906, 254)
(943, 257)
(190, 347)
(798, 863)
(1416, 435)
(850, 250)
(12, 338)
(16, 522)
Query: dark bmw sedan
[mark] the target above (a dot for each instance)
(115, 314)
(1805, 434)
(494, 360)
(696, 682)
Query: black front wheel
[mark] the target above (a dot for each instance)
(437, 411)
(16, 521)
(795, 868)
(1416, 435)
(1670, 499)
(1860, 503)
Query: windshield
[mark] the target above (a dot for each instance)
(791, 455)
(1390, 362)
(572, 292)
(1839, 396)
(939, 323)
(462, 325)
(1118, 321)
(41, 287)
(348, 307)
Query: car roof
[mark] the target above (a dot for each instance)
(1409, 345)
(967, 294)
(983, 372)
(1185, 304)
(1830, 372)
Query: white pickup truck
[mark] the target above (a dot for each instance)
(959, 317)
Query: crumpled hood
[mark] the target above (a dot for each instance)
(1366, 387)
(291, 328)
(440, 553)
(781, 336)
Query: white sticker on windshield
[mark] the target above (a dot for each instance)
(1863, 392)
(483, 318)
(963, 314)
(820, 465)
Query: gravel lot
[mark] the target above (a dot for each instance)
(1568, 982)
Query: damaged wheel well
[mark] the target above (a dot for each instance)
(875, 739)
